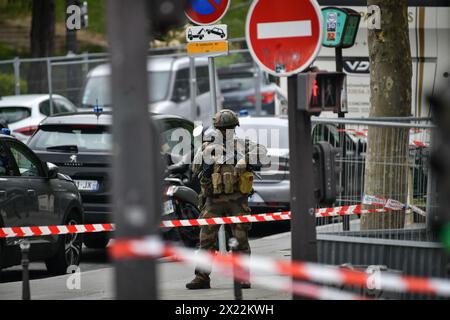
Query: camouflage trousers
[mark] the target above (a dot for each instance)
(209, 234)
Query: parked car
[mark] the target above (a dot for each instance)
(33, 193)
(272, 188)
(237, 83)
(168, 84)
(80, 144)
(22, 113)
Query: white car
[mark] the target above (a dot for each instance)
(23, 113)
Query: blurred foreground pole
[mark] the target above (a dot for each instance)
(25, 249)
(136, 177)
(303, 221)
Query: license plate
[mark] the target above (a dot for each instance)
(168, 207)
(87, 185)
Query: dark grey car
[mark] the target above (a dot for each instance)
(237, 84)
(33, 193)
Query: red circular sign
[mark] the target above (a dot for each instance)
(284, 36)
(206, 12)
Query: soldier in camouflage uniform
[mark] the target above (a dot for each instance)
(226, 180)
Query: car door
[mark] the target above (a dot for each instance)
(13, 207)
(40, 198)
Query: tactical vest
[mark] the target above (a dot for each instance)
(226, 180)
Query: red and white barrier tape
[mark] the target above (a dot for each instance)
(330, 275)
(33, 231)
(19, 232)
(346, 210)
(277, 283)
(204, 259)
(390, 204)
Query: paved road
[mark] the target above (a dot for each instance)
(97, 276)
(93, 259)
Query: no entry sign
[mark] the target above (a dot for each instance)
(284, 36)
(204, 12)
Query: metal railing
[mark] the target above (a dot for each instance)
(399, 172)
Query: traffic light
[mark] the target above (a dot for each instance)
(321, 91)
(326, 173)
(166, 15)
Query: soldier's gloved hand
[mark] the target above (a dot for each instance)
(208, 170)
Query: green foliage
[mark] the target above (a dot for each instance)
(235, 18)
(6, 52)
(7, 85)
(15, 8)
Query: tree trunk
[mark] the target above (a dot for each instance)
(386, 173)
(41, 43)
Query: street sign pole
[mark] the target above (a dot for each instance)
(258, 102)
(341, 127)
(212, 84)
(193, 88)
(303, 223)
(137, 192)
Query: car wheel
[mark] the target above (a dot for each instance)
(96, 240)
(69, 249)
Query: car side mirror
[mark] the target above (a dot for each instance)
(53, 170)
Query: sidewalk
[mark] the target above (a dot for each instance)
(98, 284)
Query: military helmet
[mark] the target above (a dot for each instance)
(225, 118)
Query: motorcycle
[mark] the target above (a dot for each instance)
(180, 202)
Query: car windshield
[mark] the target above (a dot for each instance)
(272, 136)
(98, 89)
(237, 81)
(13, 114)
(61, 137)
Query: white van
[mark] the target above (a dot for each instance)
(169, 88)
(429, 36)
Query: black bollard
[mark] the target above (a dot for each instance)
(234, 244)
(25, 248)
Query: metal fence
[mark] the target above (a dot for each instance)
(402, 242)
(399, 172)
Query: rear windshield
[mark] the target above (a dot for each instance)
(14, 114)
(86, 137)
(243, 80)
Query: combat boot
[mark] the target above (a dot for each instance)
(199, 282)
